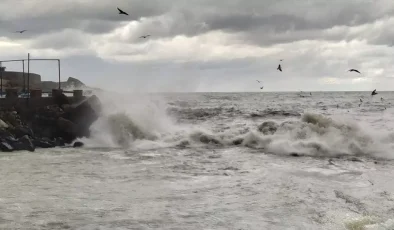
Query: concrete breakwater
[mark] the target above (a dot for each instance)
(45, 122)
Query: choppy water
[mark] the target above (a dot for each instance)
(199, 161)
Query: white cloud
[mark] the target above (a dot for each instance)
(330, 80)
(360, 80)
(215, 45)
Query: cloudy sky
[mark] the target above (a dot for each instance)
(205, 45)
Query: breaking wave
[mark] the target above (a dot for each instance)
(148, 122)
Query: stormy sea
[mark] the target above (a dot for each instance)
(214, 161)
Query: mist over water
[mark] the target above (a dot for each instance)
(214, 161)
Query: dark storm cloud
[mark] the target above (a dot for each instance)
(252, 17)
(97, 16)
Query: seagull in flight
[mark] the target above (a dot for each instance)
(122, 12)
(145, 36)
(354, 70)
(261, 87)
(374, 92)
(258, 81)
(20, 31)
(361, 100)
(279, 68)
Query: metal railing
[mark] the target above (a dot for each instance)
(28, 70)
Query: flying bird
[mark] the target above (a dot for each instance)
(20, 31)
(374, 92)
(354, 70)
(145, 36)
(361, 100)
(261, 87)
(279, 68)
(258, 81)
(122, 12)
(381, 98)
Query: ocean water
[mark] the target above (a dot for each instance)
(207, 161)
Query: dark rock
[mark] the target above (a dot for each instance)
(84, 114)
(48, 126)
(208, 140)
(78, 144)
(295, 155)
(5, 134)
(67, 130)
(44, 143)
(20, 131)
(66, 125)
(5, 147)
(10, 117)
(11, 139)
(59, 141)
(60, 99)
(268, 127)
(238, 141)
(24, 143)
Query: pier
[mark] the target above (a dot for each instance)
(36, 98)
(26, 89)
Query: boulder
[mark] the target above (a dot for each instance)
(5, 134)
(78, 144)
(20, 131)
(24, 143)
(66, 129)
(60, 99)
(11, 118)
(84, 114)
(3, 125)
(5, 147)
(44, 143)
(268, 127)
(59, 141)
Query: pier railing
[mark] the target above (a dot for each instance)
(28, 70)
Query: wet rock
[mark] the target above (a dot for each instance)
(48, 126)
(208, 140)
(78, 144)
(295, 154)
(20, 131)
(268, 127)
(66, 126)
(5, 147)
(59, 141)
(60, 99)
(238, 141)
(24, 143)
(67, 130)
(4, 134)
(44, 143)
(3, 125)
(84, 114)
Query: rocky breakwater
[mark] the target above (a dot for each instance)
(59, 124)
